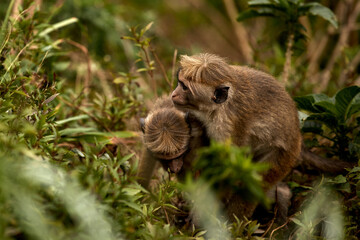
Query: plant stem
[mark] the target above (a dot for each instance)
(150, 72)
(288, 54)
(162, 68)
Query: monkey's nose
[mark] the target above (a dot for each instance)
(173, 95)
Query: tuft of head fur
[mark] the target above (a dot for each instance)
(206, 68)
(166, 133)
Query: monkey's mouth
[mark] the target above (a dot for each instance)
(183, 107)
(173, 165)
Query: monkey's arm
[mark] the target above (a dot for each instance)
(146, 168)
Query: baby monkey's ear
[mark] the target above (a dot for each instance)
(220, 94)
(142, 124)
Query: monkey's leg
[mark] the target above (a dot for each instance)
(146, 168)
(281, 194)
(237, 206)
(281, 163)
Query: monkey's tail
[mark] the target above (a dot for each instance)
(311, 160)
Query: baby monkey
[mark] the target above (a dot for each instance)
(170, 137)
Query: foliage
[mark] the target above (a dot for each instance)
(71, 90)
(288, 12)
(316, 220)
(336, 118)
(229, 169)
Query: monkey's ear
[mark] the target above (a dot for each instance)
(220, 94)
(142, 124)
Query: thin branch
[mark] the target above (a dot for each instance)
(350, 68)
(240, 32)
(84, 111)
(36, 5)
(88, 61)
(42, 62)
(150, 72)
(219, 22)
(173, 72)
(273, 231)
(15, 10)
(287, 65)
(343, 39)
(161, 67)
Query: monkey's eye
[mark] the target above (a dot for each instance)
(184, 87)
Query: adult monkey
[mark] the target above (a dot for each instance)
(245, 105)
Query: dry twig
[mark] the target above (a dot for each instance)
(240, 32)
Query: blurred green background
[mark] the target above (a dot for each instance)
(76, 76)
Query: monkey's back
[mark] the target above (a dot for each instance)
(272, 114)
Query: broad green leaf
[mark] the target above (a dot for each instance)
(328, 105)
(307, 102)
(317, 9)
(339, 179)
(257, 2)
(354, 106)
(326, 118)
(312, 126)
(284, 3)
(347, 101)
(251, 13)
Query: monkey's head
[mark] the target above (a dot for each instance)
(204, 83)
(167, 136)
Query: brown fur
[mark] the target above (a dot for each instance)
(257, 112)
(170, 138)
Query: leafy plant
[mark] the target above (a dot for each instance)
(289, 12)
(228, 168)
(316, 220)
(336, 119)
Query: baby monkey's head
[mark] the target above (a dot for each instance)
(167, 136)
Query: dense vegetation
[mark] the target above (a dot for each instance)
(75, 77)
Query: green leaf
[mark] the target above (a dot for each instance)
(284, 3)
(4, 26)
(326, 118)
(307, 102)
(257, 2)
(339, 179)
(73, 131)
(317, 9)
(347, 101)
(354, 106)
(328, 105)
(148, 27)
(251, 13)
(132, 205)
(57, 26)
(312, 126)
(80, 117)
